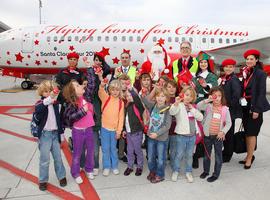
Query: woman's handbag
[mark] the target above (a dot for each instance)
(239, 141)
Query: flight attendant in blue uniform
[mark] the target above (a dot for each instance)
(253, 102)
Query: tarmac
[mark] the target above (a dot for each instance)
(19, 158)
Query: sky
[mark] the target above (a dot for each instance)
(17, 13)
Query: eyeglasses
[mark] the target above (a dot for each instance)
(185, 48)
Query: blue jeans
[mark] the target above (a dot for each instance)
(184, 146)
(156, 156)
(108, 147)
(49, 143)
(209, 142)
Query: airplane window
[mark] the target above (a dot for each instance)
(241, 39)
(91, 38)
(83, 38)
(123, 38)
(204, 40)
(99, 38)
(190, 39)
(220, 40)
(76, 38)
(234, 40)
(138, 38)
(69, 38)
(107, 38)
(130, 38)
(169, 39)
(183, 39)
(154, 39)
(55, 38)
(48, 39)
(176, 39)
(227, 40)
(62, 39)
(212, 40)
(114, 38)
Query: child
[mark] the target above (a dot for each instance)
(217, 122)
(145, 84)
(186, 129)
(134, 131)
(112, 124)
(160, 122)
(79, 115)
(49, 130)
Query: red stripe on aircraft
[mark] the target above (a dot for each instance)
(5, 109)
(18, 117)
(51, 188)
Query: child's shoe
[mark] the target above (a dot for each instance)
(106, 172)
(212, 179)
(189, 177)
(138, 172)
(174, 176)
(157, 179)
(79, 180)
(115, 171)
(43, 186)
(63, 182)
(90, 175)
(128, 171)
(151, 175)
(95, 171)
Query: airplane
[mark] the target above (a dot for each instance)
(28, 52)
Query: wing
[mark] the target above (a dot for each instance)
(236, 51)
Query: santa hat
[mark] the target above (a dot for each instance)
(254, 52)
(228, 61)
(202, 56)
(100, 54)
(146, 68)
(73, 55)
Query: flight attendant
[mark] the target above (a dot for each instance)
(232, 89)
(253, 102)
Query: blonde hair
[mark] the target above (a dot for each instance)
(46, 85)
(192, 90)
(162, 91)
(69, 93)
(123, 77)
(116, 84)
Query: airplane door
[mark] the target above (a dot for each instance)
(28, 40)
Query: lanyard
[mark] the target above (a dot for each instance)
(246, 84)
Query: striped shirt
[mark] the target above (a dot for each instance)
(215, 121)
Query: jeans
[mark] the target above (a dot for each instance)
(134, 145)
(108, 147)
(184, 146)
(209, 141)
(156, 156)
(82, 137)
(49, 143)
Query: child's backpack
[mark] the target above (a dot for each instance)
(35, 122)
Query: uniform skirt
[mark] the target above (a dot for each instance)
(251, 126)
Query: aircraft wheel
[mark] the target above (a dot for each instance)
(26, 85)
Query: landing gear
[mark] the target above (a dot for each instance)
(27, 85)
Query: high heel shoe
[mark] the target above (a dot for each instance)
(244, 161)
(252, 160)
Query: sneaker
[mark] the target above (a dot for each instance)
(43, 186)
(128, 171)
(79, 180)
(150, 176)
(189, 177)
(90, 175)
(204, 175)
(95, 171)
(212, 179)
(63, 182)
(174, 176)
(106, 172)
(115, 171)
(157, 179)
(138, 172)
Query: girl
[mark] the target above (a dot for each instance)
(134, 131)
(79, 115)
(112, 124)
(49, 130)
(205, 79)
(217, 122)
(253, 102)
(232, 89)
(186, 129)
(145, 84)
(160, 123)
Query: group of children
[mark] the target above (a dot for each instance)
(170, 120)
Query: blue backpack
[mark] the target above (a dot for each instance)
(35, 123)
